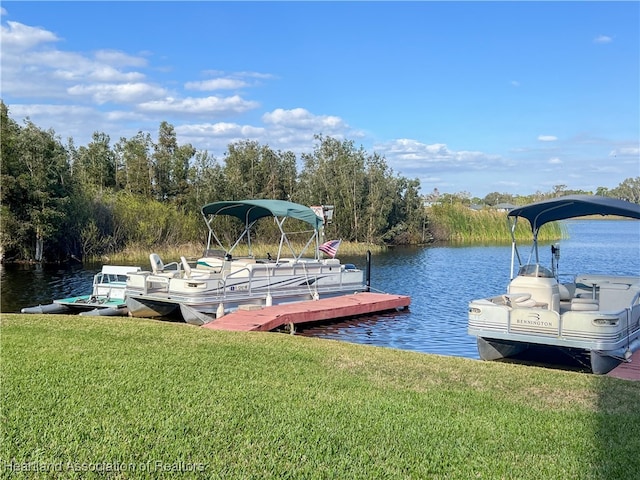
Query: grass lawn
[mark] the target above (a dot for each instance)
(131, 398)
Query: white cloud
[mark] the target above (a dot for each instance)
(625, 151)
(78, 122)
(602, 39)
(17, 37)
(32, 67)
(515, 83)
(216, 137)
(547, 138)
(300, 118)
(216, 84)
(555, 161)
(102, 93)
(201, 106)
(221, 129)
(411, 154)
(97, 73)
(119, 59)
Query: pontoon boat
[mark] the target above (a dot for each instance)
(597, 316)
(220, 281)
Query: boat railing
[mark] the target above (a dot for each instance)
(256, 274)
(157, 283)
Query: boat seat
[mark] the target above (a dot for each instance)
(190, 272)
(583, 304)
(158, 267)
(186, 267)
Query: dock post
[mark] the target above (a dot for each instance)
(220, 311)
(368, 271)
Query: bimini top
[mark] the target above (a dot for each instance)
(571, 206)
(249, 211)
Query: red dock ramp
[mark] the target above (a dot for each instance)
(270, 318)
(628, 371)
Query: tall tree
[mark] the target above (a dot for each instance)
(134, 155)
(95, 164)
(38, 188)
(240, 169)
(206, 181)
(171, 164)
(380, 196)
(334, 175)
(256, 171)
(12, 208)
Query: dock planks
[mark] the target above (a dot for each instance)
(628, 371)
(270, 318)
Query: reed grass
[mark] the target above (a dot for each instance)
(459, 224)
(138, 399)
(139, 255)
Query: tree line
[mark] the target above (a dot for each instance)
(61, 201)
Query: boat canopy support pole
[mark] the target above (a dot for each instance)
(284, 238)
(514, 248)
(247, 232)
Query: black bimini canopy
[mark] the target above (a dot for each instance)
(572, 206)
(250, 210)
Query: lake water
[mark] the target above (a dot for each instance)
(440, 280)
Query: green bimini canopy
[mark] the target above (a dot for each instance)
(250, 210)
(571, 206)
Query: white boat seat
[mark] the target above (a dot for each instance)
(190, 272)
(158, 267)
(584, 304)
(186, 267)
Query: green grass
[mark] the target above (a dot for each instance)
(136, 396)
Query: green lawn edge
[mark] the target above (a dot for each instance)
(117, 397)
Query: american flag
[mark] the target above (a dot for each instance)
(330, 247)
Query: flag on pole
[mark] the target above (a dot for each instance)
(330, 247)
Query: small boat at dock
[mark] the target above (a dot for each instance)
(105, 299)
(593, 317)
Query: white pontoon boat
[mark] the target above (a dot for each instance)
(220, 281)
(596, 315)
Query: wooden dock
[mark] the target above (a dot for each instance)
(269, 318)
(628, 371)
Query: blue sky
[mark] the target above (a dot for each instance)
(474, 97)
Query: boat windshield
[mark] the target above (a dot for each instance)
(110, 278)
(534, 270)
